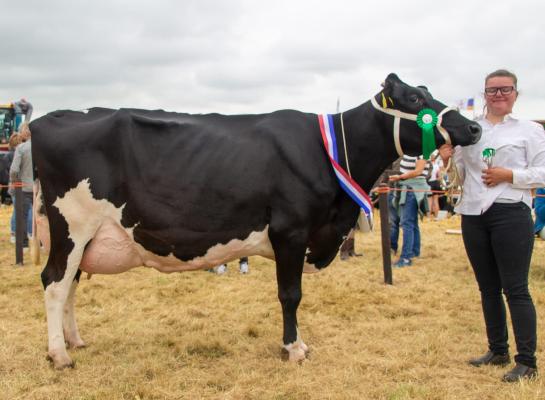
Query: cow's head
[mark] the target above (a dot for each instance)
(404, 103)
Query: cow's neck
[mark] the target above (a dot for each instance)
(369, 144)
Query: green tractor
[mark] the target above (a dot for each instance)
(7, 124)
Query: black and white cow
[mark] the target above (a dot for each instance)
(177, 192)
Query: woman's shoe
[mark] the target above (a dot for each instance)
(520, 372)
(491, 359)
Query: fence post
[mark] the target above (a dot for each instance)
(19, 225)
(385, 232)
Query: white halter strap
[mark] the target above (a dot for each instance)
(398, 115)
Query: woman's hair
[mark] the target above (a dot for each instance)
(14, 141)
(502, 73)
(24, 131)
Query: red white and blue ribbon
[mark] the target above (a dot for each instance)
(350, 186)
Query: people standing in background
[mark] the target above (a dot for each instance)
(21, 172)
(14, 141)
(497, 227)
(404, 207)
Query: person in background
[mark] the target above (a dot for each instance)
(22, 108)
(404, 207)
(14, 141)
(21, 172)
(436, 164)
(539, 208)
(497, 227)
(244, 268)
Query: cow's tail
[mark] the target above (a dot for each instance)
(34, 241)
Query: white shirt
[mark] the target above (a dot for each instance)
(520, 146)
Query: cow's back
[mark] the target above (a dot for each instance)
(184, 183)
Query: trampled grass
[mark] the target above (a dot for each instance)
(201, 336)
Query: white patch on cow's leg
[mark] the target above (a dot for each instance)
(297, 350)
(56, 296)
(70, 327)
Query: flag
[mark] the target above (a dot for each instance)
(466, 104)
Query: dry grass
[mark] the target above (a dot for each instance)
(201, 336)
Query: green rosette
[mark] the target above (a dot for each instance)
(426, 120)
(489, 152)
(488, 156)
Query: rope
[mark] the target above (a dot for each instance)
(454, 185)
(15, 185)
(344, 144)
(387, 189)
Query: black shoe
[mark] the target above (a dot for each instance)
(520, 372)
(491, 359)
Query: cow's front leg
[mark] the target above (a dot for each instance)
(289, 270)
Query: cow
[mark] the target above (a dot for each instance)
(176, 192)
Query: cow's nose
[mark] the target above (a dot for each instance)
(475, 132)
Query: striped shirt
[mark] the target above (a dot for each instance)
(408, 163)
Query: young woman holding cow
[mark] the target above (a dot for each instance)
(498, 173)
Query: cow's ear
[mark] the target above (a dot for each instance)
(427, 92)
(390, 83)
(391, 80)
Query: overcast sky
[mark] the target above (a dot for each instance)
(251, 56)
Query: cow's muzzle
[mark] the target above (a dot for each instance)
(475, 132)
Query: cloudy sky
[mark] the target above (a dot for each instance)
(252, 56)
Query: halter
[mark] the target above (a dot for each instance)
(398, 115)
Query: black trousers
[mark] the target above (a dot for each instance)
(499, 245)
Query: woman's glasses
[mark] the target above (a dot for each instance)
(491, 91)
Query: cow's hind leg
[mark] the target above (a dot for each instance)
(70, 327)
(289, 257)
(58, 279)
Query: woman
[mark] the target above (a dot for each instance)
(498, 173)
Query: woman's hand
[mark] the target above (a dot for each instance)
(394, 178)
(496, 175)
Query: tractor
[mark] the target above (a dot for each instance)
(7, 124)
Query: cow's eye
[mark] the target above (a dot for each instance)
(413, 98)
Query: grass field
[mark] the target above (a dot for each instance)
(201, 336)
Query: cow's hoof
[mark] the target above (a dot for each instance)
(76, 344)
(73, 340)
(297, 352)
(60, 360)
(297, 355)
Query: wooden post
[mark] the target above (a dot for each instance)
(19, 225)
(385, 233)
